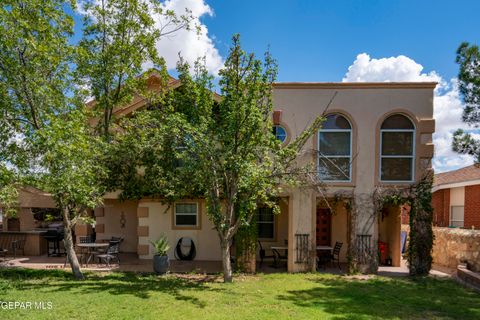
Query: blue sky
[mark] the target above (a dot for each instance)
(339, 40)
(318, 40)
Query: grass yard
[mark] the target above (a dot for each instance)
(272, 296)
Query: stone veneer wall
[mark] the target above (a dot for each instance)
(454, 246)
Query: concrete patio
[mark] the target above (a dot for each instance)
(130, 262)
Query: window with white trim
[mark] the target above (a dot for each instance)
(457, 216)
(186, 214)
(397, 149)
(335, 149)
(265, 223)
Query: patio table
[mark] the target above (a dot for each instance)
(320, 256)
(90, 247)
(324, 248)
(279, 247)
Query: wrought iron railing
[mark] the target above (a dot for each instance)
(301, 247)
(364, 247)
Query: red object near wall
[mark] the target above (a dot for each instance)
(383, 251)
(277, 117)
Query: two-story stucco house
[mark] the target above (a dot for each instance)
(375, 135)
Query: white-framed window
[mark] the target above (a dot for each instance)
(457, 216)
(265, 223)
(335, 149)
(186, 214)
(280, 133)
(397, 149)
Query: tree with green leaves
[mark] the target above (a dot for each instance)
(119, 41)
(35, 77)
(45, 138)
(194, 143)
(74, 172)
(468, 57)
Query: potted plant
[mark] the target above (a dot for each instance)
(160, 259)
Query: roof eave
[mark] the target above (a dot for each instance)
(355, 85)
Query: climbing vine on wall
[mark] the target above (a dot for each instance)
(419, 198)
(421, 232)
(246, 246)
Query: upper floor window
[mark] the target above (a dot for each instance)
(280, 133)
(397, 149)
(335, 149)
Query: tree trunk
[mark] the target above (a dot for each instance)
(227, 266)
(68, 242)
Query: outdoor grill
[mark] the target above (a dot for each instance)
(53, 237)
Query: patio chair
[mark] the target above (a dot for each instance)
(113, 240)
(110, 255)
(335, 255)
(18, 245)
(119, 241)
(116, 239)
(3, 253)
(263, 254)
(278, 257)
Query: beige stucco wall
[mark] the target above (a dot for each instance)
(159, 221)
(25, 219)
(27, 222)
(34, 198)
(301, 220)
(457, 196)
(109, 224)
(365, 106)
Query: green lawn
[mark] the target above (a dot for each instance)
(273, 296)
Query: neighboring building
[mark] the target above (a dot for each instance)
(28, 223)
(456, 198)
(376, 135)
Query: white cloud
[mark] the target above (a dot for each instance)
(448, 105)
(190, 44)
(391, 69)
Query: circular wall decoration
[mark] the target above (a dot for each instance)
(280, 133)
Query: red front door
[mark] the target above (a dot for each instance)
(324, 226)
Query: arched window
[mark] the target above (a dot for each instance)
(280, 133)
(335, 149)
(397, 149)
